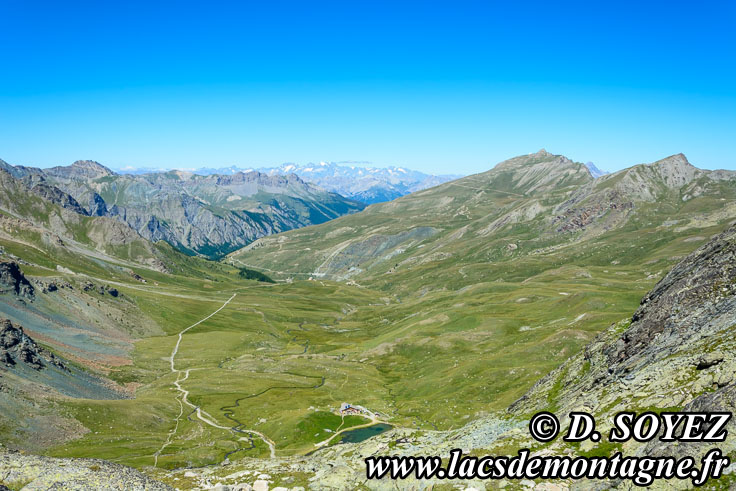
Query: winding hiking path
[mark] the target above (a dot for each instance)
(178, 341)
(182, 398)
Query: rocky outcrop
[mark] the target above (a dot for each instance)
(102, 290)
(696, 292)
(97, 206)
(34, 472)
(54, 195)
(12, 280)
(17, 347)
(52, 285)
(576, 218)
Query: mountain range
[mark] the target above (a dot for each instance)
(365, 184)
(523, 207)
(444, 318)
(356, 181)
(206, 215)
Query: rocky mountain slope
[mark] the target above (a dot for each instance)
(56, 335)
(65, 323)
(208, 215)
(677, 352)
(678, 349)
(36, 213)
(21, 471)
(12, 280)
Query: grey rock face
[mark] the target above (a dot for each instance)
(55, 195)
(722, 400)
(700, 288)
(676, 171)
(17, 347)
(13, 280)
(97, 206)
(208, 215)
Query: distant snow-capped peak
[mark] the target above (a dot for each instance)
(356, 180)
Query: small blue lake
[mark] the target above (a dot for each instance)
(361, 434)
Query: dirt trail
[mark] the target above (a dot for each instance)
(184, 394)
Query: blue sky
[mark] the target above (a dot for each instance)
(450, 87)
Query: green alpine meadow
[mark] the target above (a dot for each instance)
(367, 246)
(437, 316)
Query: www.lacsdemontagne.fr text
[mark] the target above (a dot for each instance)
(642, 471)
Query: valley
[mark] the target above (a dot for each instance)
(438, 311)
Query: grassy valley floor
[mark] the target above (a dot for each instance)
(280, 359)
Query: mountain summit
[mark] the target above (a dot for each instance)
(595, 171)
(537, 172)
(81, 169)
(676, 170)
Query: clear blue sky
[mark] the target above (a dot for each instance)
(448, 87)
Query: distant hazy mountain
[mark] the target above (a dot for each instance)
(202, 171)
(223, 171)
(366, 184)
(209, 215)
(595, 171)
